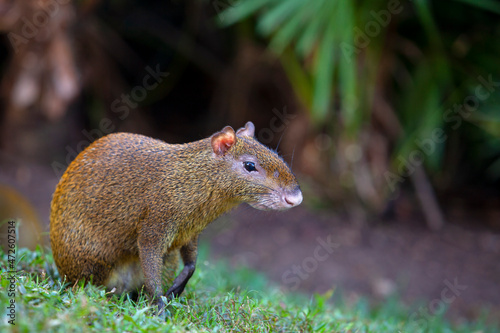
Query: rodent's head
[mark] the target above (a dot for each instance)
(259, 176)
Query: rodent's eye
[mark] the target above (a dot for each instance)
(249, 166)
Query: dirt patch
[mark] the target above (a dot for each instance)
(315, 252)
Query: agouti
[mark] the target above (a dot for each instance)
(14, 206)
(128, 205)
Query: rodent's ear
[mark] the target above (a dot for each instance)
(223, 140)
(248, 130)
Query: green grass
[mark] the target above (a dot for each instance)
(217, 299)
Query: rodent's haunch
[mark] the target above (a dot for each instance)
(128, 205)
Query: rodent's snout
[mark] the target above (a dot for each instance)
(293, 198)
(279, 199)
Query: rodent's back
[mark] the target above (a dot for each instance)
(119, 165)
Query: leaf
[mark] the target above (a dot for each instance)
(323, 71)
(276, 15)
(290, 30)
(240, 11)
(298, 77)
(310, 35)
(347, 69)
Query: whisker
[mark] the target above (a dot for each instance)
(257, 193)
(279, 141)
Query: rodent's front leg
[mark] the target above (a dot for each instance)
(189, 252)
(152, 262)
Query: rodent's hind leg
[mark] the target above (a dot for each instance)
(189, 252)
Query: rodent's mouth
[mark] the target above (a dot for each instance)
(278, 200)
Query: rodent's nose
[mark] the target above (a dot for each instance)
(294, 198)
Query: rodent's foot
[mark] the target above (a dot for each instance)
(160, 311)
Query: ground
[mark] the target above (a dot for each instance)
(457, 267)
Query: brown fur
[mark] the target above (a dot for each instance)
(129, 202)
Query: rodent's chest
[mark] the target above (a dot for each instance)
(184, 234)
(179, 242)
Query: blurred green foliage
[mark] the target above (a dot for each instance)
(424, 58)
